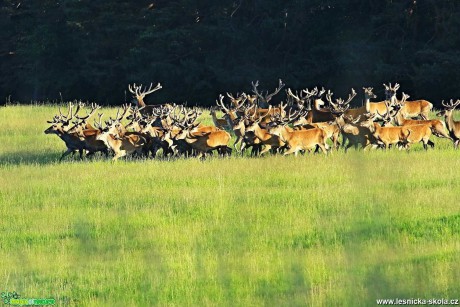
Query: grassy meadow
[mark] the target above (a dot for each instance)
(337, 230)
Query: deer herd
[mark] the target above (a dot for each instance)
(304, 122)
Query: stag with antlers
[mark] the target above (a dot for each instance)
(452, 126)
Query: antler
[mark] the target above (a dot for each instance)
(351, 96)
(329, 98)
(221, 104)
(137, 90)
(452, 105)
(65, 118)
(320, 92)
(277, 90)
(312, 93)
(267, 97)
(387, 117)
(254, 89)
(296, 97)
(404, 98)
(94, 107)
(98, 124)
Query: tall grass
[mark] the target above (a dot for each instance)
(344, 229)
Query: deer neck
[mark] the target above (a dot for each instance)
(393, 100)
(399, 118)
(285, 134)
(374, 128)
(450, 123)
(229, 121)
(214, 118)
(340, 121)
(260, 133)
(140, 102)
(367, 103)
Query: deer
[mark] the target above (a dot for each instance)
(452, 126)
(269, 141)
(332, 128)
(233, 113)
(354, 133)
(417, 133)
(139, 94)
(298, 140)
(366, 108)
(264, 100)
(324, 115)
(417, 108)
(380, 108)
(88, 133)
(204, 143)
(385, 135)
(220, 123)
(438, 127)
(121, 145)
(318, 114)
(60, 125)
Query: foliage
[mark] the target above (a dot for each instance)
(93, 49)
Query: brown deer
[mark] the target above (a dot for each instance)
(380, 108)
(269, 141)
(121, 145)
(318, 114)
(417, 108)
(139, 94)
(332, 128)
(416, 134)
(206, 142)
(60, 126)
(366, 108)
(438, 128)
(452, 126)
(88, 133)
(386, 135)
(298, 140)
(234, 112)
(220, 123)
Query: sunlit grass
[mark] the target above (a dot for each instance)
(344, 229)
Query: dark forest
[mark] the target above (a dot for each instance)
(92, 50)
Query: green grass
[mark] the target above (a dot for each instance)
(345, 229)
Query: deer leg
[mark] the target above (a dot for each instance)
(291, 150)
(335, 141)
(296, 152)
(228, 151)
(267, 148)
(456, 143)
(237, 141)
(323, 148)
(348, 146)
(344, 140)
(119, 154)
(66, 153)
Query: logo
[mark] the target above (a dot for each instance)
(14, 299)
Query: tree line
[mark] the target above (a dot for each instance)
(91, 50)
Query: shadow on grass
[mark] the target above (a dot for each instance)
(42, 158)
(47, 158)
